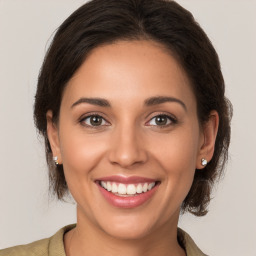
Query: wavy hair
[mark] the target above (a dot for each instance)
(100, 22)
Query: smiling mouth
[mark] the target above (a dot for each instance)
(127, 190)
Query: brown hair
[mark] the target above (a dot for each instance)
(101, 22)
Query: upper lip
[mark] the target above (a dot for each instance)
(126, 179)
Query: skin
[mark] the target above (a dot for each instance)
(129, 142)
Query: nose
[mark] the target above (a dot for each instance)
(127, 148)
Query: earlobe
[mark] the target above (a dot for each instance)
(210, 130)
(53, 136)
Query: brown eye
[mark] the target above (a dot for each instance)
(162, 120)
(94, 120)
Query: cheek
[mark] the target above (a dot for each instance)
(81, 155)
(178, 150)
(80, 152)
(177, 156)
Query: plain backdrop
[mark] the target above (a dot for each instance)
(26, 214)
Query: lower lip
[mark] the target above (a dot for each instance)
(129, 201)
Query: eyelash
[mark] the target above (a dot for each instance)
(172, 120)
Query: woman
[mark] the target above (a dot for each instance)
(130, 101)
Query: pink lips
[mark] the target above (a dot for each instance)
(128, 201)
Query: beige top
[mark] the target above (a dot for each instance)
(54, 246)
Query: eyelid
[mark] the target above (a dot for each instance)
(173, 120)
(91, 114)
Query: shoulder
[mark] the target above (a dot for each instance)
(45, 247)
(189, 244)
(39, 248)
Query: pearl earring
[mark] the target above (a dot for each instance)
(55, 159)
(204, 162)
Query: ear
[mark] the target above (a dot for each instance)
(209, 134)
(53, 136)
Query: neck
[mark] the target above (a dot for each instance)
(86, 239)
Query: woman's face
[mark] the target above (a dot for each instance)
(128, 121)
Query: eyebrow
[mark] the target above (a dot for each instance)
(162, 99)
(148, 102)
(93, 101)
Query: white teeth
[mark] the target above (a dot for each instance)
(139, 189)
(114, 188)
(145, 187)
(130, 189)
(151, 185)
(109, 187)
(104, 184)
(121, 189)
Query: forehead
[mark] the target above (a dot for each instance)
(129, 70)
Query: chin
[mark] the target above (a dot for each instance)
(128, 232)
(129, 226)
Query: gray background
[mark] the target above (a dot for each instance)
(26, 28)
